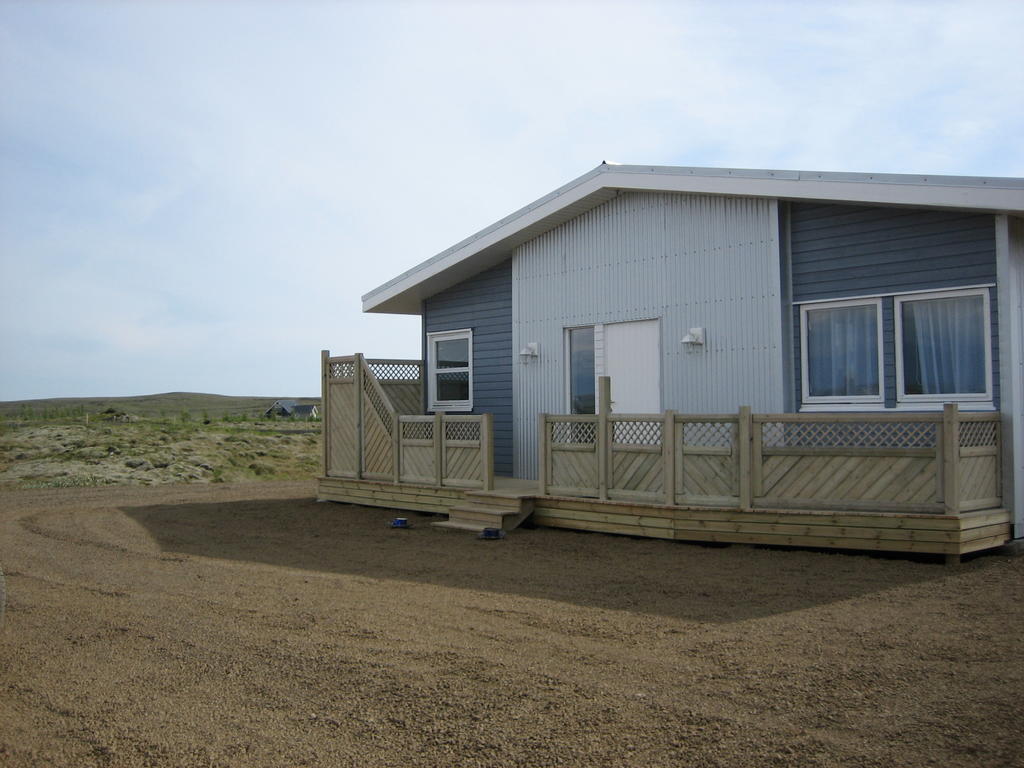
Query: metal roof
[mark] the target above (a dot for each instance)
(494, 244)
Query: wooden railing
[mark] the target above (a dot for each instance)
(946, 462)
(447, 450)
(372, 430)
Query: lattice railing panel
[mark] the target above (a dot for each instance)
(340, 426)
(376, 402)
(712, 477)
(979, 478)
(574, 469)
(868, 434)
(978, 434)
(395, 371)
(637, 432)
(638, 473)
(406, 396)
(377, 455)
(462, 430)
(881, 480)
(572, 432)
(418, 463)
(343, 370)
(417, 430)
(708, 434)
(462, 465)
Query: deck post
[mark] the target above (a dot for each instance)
(358, 381)
(396, 446)
(325, 424)
(668, 455)
(487, 451)
(999, 461)
(951, 458)
(756, 459)
(543, 451)
(439, 449)
(604, 437)
(744, 430)
(604, 394)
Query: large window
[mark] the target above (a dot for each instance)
(842, 352)
(943, 347)
(939, 350)
(450, 370)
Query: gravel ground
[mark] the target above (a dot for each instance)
(249, 625)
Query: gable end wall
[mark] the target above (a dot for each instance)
(685, 260)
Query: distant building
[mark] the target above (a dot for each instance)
(292, 410)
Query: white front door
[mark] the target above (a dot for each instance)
(632, 358)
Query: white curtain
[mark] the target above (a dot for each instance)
(842, 351)
(944, 345)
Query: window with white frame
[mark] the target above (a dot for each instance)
(841, 352)
(943, 347)
(450, 370)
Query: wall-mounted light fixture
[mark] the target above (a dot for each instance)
(694, 338)
(530, 352)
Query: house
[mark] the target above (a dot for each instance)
(292, 410)
(829, 296)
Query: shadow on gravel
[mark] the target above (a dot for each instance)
(676, 579)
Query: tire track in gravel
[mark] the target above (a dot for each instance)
(31, 523)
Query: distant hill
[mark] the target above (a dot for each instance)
(168, 404)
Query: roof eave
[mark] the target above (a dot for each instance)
(404, 293)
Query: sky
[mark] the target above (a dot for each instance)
(195, 195)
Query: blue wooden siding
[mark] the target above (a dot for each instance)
(839, 251)
(484, 304)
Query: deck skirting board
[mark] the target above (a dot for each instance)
(894, 532)
(832, 529)
(371, 493)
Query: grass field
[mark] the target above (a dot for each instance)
(173, 438)
(165, 405)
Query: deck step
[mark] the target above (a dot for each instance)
(459, 526)
(506, 500)
(475, 514)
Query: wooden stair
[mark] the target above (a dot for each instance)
(488, 509)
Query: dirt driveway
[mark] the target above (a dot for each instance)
(249, 625)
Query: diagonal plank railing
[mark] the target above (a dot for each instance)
(372, 430)
(947, 462)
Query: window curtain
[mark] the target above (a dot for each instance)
(842, 351)
(944, 346)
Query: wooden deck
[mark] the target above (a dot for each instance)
(902, 482)
(950, 535)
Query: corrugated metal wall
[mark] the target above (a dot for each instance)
(689, 260)
(483, 303)
(855, 250)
